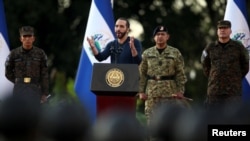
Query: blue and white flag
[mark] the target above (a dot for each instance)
(236, 12)
(6, 85)
(100, 25)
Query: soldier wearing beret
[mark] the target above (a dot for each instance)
(161, 73)
(26, 66)
(225, 63)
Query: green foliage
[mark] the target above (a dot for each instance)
(60, 92)
(141, 118)
(140, 111)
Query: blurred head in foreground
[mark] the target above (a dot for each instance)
(117, 125)
(19, 119)
(65, 122)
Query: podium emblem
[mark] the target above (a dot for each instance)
(114, 77)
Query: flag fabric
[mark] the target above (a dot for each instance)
(6, 85)
(100, 26)
(236, 12)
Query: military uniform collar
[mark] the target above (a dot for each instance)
(26, 50)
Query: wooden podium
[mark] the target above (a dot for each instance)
(115, 86)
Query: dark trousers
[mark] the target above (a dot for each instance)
(29, 91)
(222, 101)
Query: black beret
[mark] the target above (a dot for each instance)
(159, 29)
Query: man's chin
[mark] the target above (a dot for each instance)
(119, 36)
(161, 42)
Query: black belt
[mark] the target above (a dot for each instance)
(161, 77)
(27, 80)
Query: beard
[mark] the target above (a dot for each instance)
(120, 35)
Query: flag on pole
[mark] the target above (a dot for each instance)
(236, 12)
(100, 25)
(6, 85)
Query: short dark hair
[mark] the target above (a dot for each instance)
(125, 19)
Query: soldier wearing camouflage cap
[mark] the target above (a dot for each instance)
(161, 73)
(225, 63)
(26, 66)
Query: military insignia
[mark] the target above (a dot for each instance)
(204, 53)
(162, 28)
(114, 77)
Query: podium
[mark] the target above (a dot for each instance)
(115, 86)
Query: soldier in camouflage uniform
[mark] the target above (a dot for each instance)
(161, 73)
(225, 63)
(26, 66)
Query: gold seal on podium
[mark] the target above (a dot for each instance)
(114, 77)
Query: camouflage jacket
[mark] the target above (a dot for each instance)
(225, 67)
(28, 63)
(169, 63)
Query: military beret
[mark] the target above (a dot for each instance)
(159, 29)
(224, 23)
(26, 30)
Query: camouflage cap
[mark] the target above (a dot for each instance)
(26, 30)
(224, 23)
(160, 29)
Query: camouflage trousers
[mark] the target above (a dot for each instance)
(219, 101)
(28, 91)
(152, 105)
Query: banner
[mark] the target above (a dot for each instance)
(6, 85)
(100, 26)
(236, 12)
